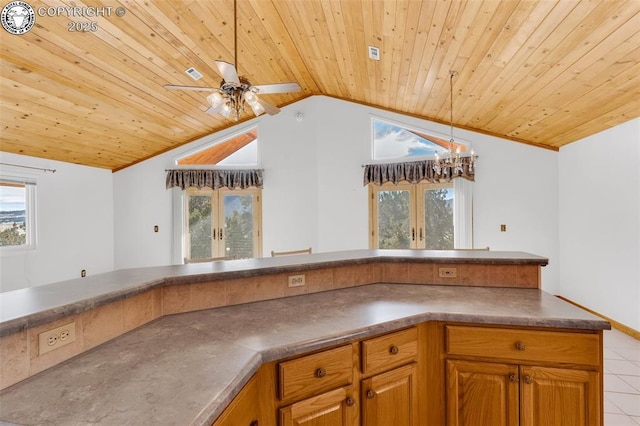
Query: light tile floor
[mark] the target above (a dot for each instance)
(621, 379)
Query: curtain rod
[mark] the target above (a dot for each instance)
(29, 167)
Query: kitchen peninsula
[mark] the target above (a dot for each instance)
(176, 344)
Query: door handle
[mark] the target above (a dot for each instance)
(220, 233)
(214, 233)
(421, 234)
(413, 234)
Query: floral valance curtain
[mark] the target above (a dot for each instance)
(215, 179)
(414, 172)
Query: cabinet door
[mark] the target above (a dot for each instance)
(481, 393)
(559, 396)
(243, 410)
(390, 399)
(334, 408)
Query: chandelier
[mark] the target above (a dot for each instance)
(452, 157)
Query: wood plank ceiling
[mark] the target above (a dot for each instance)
(545, 72)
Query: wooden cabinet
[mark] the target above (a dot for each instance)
(551, 378)
(254, 404)
(559, 396)
(431, 375)
(312, 374)
(336, 408)
(389, 389)
(373, 382)
(390, 399)
(482, 393)
(315, 389)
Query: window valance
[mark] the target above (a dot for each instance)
(414, 172)
(215, 179)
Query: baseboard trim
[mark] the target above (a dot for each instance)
(615, 324)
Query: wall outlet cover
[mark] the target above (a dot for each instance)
(56, 338)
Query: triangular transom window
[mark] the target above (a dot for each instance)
(240, 150)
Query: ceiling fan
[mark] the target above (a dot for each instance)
(235, 92)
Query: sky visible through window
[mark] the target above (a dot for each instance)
(12, 198)
(391, 141)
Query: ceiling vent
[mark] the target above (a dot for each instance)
(374, 53)
(194, 73)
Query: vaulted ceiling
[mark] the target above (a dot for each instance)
(545, 72)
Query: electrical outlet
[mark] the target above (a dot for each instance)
(296, 280)
(447, 272)
(56, 338)
(503, 228)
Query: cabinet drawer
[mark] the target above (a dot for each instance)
(311, 374)
(524, 345)
(389, 351)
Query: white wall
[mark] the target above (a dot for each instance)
(516, 185)
(74, 224)
(313, 194)
(600, 222)
(290, 205)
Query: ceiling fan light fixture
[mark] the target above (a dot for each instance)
(215, 99)
(257, 107)
(226, 110)
(250, 98)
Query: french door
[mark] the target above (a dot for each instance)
(223, 223)
(411, 216)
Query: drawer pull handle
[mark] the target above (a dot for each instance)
(528, 379)
(393, 350)
(320, 373)
(254, 423)
(370, 394)
(521, 346)
(513, 378)
(349, 401)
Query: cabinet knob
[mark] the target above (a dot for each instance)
(521, 346)
(320, 373)
(514, 378)
(393, 350)
(370, 394)
(349, 401)
(528, 379)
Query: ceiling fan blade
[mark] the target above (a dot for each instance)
(196, 88)
(277, 88)
(228, 72)
(269, 108)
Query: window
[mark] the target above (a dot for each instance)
(395, 142)
(222, 223)
(239, 150)
(17, 214)
(407, 216)
(411, 207)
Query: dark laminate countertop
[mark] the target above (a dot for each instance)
(184, 369)
(32, 306)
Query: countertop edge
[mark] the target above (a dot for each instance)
(190, 274)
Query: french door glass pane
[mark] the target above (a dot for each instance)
(394, 219)
(200, 240)
(438, 220)
(239, 226)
